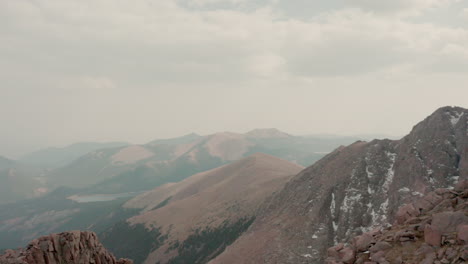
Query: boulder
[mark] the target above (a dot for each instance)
(447, 222)
(363, 242)
(432, 235)
(462, 233)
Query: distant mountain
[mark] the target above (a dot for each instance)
(176, 141)
(142, 167)
(6, 163)
(267, 133)
(354, 189)
(206, 211)
(19, 181)
(58, 157)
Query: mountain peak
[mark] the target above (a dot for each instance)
(444, 121)
(267, 133)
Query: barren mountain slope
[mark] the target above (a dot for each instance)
(212, 201)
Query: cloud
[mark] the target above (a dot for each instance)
(401, 7)
(464, 13)
(160, 41)
(215, 62)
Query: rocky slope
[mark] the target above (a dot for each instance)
(196, 218)
(354, 189)
(71, 247)
(433, 229)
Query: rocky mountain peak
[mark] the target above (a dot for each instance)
(354, 189)
(73, 247)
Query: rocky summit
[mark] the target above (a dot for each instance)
(433, 229)
(73, 247)
(353, 190)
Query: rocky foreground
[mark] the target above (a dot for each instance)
(433, 229)
(73, 247)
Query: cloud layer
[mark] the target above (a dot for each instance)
(133, 70)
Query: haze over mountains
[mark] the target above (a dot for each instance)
(97, 183)
(243, 198)
(58, 157)
(120, 167)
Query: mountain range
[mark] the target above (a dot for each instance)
(245, 198)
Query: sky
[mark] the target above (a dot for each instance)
(115, 70)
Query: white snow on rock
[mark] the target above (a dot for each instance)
(455, 117)
(332, 206)
(390, 172)
(352, 197)
(404, 189)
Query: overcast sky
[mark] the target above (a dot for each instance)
(136, 70)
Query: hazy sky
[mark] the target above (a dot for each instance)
(136, 70)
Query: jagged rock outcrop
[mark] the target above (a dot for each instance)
(433, 229)
(354, 189)
(73, 247)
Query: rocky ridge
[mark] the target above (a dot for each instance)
(433, 229)
(353, 190)
(73, 247)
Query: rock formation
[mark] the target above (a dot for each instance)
(433, 229)
(73, 247)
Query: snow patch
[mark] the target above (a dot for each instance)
(383, 209)
(352, 197)
(455, 117)
(369, 174)
(453, 180)
(417, 194)
(404, 189)
(390, 172)
(335, 226)
(333, 206)
(307, 255)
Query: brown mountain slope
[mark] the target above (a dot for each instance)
(73, 247)
(354, 189)
(210, 200)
